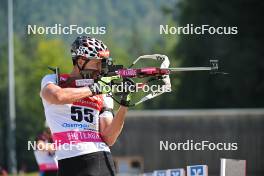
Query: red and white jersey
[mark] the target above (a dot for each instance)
(75, 127)
(46, 161)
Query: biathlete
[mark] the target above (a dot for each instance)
(81, 119)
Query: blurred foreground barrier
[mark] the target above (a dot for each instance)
(160, 173)
(231, 167)
(197, 170)
(148, 174)
(169, 172)
(176, 172)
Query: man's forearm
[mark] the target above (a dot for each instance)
(70, 95)
(56, 95)
(112, 131)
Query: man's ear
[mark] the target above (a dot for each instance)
(80, 62)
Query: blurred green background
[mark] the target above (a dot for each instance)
(132, 29)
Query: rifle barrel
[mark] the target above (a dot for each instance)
(190, 69)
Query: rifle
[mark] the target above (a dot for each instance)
(116, 73)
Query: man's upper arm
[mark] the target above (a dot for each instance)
(49, 88)
(51, 78)
(108, 106)
(106, 115)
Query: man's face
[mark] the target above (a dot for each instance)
(92, 69)
(93, 64)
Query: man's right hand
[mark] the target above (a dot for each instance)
(102, 86)
(126, 95)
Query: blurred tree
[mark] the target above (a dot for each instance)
(166, 45)
(240, 55)
(135, 45)
(30, 69)
(3, 103)
(3, 76)
(119, 15)
(32, 56)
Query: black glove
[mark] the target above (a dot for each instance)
(100, 87)
(126, 95)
